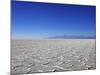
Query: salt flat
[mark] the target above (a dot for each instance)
(52, 55)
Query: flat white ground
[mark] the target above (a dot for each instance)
(33, 56)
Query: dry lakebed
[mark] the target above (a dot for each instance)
(52, 55)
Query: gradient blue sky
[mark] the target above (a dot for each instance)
(39, 20)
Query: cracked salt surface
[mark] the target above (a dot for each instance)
(36, 56)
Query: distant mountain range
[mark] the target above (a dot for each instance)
(71, 37)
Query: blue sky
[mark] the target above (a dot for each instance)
(40, 20)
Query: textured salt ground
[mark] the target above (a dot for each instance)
(34, 56)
